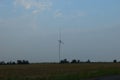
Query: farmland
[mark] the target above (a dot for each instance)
(58, 71)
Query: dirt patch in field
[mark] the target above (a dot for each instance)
(116, 77)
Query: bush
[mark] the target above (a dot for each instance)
(64, 61)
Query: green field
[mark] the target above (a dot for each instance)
(58, 71)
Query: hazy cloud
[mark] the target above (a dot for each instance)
(34, 5)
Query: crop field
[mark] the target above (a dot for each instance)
(58, 71)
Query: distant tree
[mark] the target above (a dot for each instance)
(78, 61)
(115, 61)
(74, 61)
(64, 61)
(2, 63)
(25, 62)
(88, 61)
(22, 62)
(13, 63)
(19, 62)
(8, 63)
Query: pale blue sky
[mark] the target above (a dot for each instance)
(29, 29)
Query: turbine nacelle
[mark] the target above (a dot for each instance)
(60, 41)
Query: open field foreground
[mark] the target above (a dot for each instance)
(83, 71)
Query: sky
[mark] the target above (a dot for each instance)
(29, 29)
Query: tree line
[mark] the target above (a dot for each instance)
(78, 61)
(64, 61)
(13, 62)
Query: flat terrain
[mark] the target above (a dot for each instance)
(115, 77)
(83, 71)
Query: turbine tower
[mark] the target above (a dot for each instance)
(60, 42)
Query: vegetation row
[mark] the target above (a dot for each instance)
(78, 61)
(64, 61)
(13, 62)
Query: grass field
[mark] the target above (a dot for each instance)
(58, 71)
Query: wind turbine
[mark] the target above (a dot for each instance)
(60, 42)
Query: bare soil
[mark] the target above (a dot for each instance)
(115, 77)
